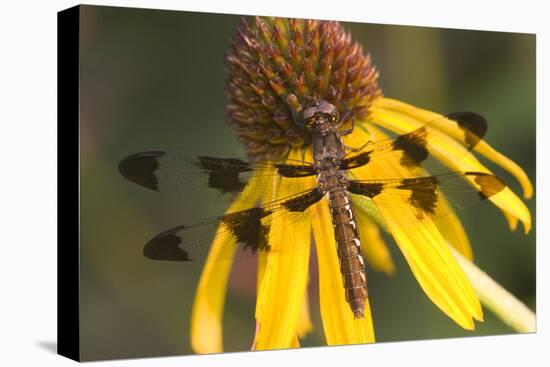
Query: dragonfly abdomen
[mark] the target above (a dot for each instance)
(348, 247)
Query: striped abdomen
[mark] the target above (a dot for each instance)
(349, 251)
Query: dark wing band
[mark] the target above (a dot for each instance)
(428, 194)
(411, 148)
(249, 229)
(175, 172)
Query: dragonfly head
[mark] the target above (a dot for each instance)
(320, 115)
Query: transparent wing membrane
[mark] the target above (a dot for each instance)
(248, 229)
(413, 148)
(213, 179)
(223, 179)
(427, 195)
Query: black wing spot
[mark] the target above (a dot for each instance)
(357, 161)
(425, 182)
(301, 203)
(473, 125)
(248, 229)
(488, 184)
(166, 246)
(223, 174)
(289, 170)
(413, 146)
(366, 189)
(425, 201)
(424, 196)
(226, 182)
(140, 168)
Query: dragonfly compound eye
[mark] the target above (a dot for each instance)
(309, 114)
(319, 109)
(329, 110)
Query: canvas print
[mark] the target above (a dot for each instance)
(254, 183)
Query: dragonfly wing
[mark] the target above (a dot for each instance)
(428, 194)
(211, 178)
(412, 149)
(248, 229)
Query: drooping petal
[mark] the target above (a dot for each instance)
(305, 325)
(512, 167)
(304, 322)
(282, 289)
(482, 147)
(512, 221)
(206, 318)
(262, 262)
(450, 226)
(436, 270)
(269, 194)
(455, 156)
(295, 343)
(514, 209)
(339, 325)
(424, 248)
(452, 230)
(374, 248)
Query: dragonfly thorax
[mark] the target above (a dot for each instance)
(328, 153)
(330, 180)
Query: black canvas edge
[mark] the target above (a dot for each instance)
(68, 183)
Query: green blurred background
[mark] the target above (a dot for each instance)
(154, 79)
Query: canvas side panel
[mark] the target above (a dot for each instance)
(68, 150)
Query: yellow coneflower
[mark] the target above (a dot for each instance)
(276, 66)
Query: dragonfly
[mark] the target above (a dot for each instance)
(332, 165)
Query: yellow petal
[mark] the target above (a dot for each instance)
(454, 155)
(269, 193)
(482, 147)
(512, 221)
(450, 226)
(452, 230)
(206, 318)
(513, 208)
(339, 325)
(305, 326)
(262, 262)
(512, 167)
(283, 286)
(304, 322)
(425, 249)
(374, 248)
(295, 343)
(436, 270)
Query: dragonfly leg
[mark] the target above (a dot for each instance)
(345, 116)
(355, 150)
(347, 131)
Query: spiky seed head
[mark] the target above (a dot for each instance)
(277, 67)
